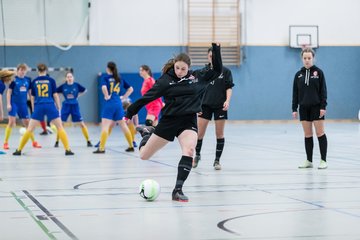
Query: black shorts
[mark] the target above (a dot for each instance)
(208, 112)
(310, 113)
(170, 127)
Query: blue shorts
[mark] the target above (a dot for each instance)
(20, 109)
(48, 109)
(73, 110)
(113, 111)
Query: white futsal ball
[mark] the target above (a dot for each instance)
(22, 131)
(149, 189)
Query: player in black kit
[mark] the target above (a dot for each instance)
(182, 90)
(310, 94)
(216, 102)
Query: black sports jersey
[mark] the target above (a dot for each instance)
(181, 96)
(215, 94)
(309, 88)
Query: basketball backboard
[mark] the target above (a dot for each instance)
(301, 36)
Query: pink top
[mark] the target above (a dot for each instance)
(147, 84)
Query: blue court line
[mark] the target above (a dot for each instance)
(161, 163)
(221, 224)
(270, 191)
(113, 179)
(172, 204)
(338, 210)
(323, 207)
(351, 161)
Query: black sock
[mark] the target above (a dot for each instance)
(148, 122)
(219, 148)
(198, 147)
(144, 140)
(309, 146)
(184, 169)
(323, 146)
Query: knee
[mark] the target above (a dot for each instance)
(320, 133)
(190, 151)
(143, 156)
(219, 135)
(308, 134)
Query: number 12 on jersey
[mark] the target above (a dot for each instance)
(43, 90)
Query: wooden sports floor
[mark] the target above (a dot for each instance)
(259, 194)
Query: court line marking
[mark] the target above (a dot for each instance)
(221, 224)
(154, 161)
(51, 216)
(38, 222)
(338, 210)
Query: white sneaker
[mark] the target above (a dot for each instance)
(323, 165)
(306, 164)
(217, 165)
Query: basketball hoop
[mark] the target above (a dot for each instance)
(303, 46)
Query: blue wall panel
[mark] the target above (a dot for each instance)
(263, 81)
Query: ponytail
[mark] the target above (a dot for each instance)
(170, 64)
(114, 71)
(147, 69)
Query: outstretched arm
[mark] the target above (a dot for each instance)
(155, 92)
(214, 69)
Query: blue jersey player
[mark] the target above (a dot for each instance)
(112, 108)
(46, 103)
(5, 78)
(71, 91)
(17, 95)
(125, 91)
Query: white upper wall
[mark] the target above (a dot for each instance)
(267, 21)
(136, 22)
(163, 22)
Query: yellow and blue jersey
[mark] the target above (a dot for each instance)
(43, 88)
(113, 88)
(20, 88)
(71, 92)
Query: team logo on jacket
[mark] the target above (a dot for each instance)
(300, 76)
(315, 74)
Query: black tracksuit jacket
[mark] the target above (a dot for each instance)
(215, 94)
(182, 96)
(309, 88)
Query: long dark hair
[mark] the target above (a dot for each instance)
(147, 69)
(170, 63)
(114, 71)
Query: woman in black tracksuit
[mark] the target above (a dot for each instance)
(182, 90)
(216, 102)
(309, 92)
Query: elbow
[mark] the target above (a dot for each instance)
(131, 90)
